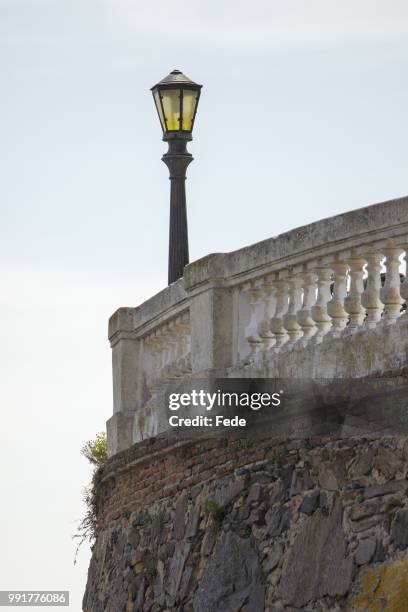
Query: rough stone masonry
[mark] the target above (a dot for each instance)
(244, 525)
(306, 523)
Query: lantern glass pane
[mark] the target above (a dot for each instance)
(159, 110)
(171, 107)
(189, 106)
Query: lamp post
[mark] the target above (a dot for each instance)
(176, 99)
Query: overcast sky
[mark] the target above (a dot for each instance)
(303, 115)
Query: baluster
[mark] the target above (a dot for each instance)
(153, 345)
(304, 317)
(269, 298)
(335, 308)
(184, 365)
(176, 344)
(404, 285)
(173, 345)
(352, 303)
(165, 356)
(149, 349)
(282, 302)
(319, 310)
(370, 298)
(256, 305)
(390, 294)
(168, 345)
(178, 337)
(159, 340)
(155, 341)
(186, 343)
(166, 372)
(295, 304)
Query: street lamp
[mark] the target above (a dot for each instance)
(176, 99)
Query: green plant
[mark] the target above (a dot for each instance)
(96, 451)
(246, 531)
(212, 508)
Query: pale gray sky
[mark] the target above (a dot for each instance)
(303, 115)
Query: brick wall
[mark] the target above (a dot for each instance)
(157, 469)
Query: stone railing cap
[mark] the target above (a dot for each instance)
(129, 319)
(330, 232)
(354, 224)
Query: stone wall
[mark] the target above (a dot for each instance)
(228, 525)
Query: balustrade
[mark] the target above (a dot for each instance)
(324, 299)
(167, 350)
(306, 287)
(338, 279)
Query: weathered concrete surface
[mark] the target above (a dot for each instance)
(211, 330)
(380, 351)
